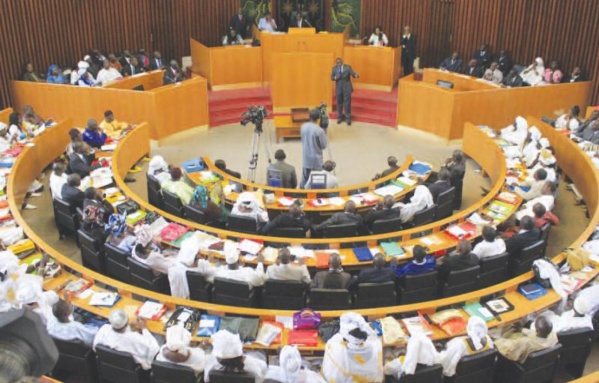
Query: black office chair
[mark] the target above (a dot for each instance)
(66, 218)
(274, 178)
(116, 262)
(424, 217)
(460, 282)
(340, 231)
(423, 374)
(288, 232)
(173, 204)
(242, 224)
(329, 299)
(231, 377)
(521, 263)
(318, 181)
(284, 295)
(154, 192)
(371, 295)
(445, 203)
(92, 252)
(576, 348)
(75, 357)
(478, 368)
(417, 288)
(234, 293)
(539, 367)
(383, 226)
(118, 367)
(493, 270)
(195, 215)
(199, 288)
(545, 229)
(165, 372)
(458, 184)
(143, 276)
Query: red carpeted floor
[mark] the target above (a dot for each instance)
(371, 106)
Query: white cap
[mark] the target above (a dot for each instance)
(118, 319)
(226, 345)
(232, 257)
(582, 306)
(350, 321)
(82, 65)
(177, 338)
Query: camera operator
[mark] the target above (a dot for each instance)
(314, 141)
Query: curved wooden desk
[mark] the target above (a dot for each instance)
(477, 145)
(34, 159)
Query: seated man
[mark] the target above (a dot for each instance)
(227, 355)
(576, 318)
(382, 210)
(421, 200)
(178, 186)
(93, 135)
(327, 170)
(176, 350)
(172, 74)
(96, 211)
(546, 199)
(462, 258)
(349, 215)
(379, 273)
(148, 253)
(220, 164)
(61, 326)
(569, 120)
(527, 235)
(284, 270)
(590, 133)
(490, 245)
(70, 191)
(475, 342)
(534, 186)
(287, 172)
(513, 79)
(441, 185)
(119, 336)
(267, 23)
(291, 368)
(334, 278)
(107, 74)
(294, 219)
(80, 161)
(159, 169)
(232, 38)
(453, 63)
(516, 346)
(248, 205)
(543, 216)
(58, 177)
(420, 264)
(473, 69)
(392, 162)
(113, 128)
(493, 74)
(232, 270)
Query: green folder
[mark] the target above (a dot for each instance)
(392, 249)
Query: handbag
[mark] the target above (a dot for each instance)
(172, 232)
(328, 329)
(306, 319)
(127, 207)
(303, 338)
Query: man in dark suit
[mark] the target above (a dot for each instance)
(384, 210)
(222, 165)
(300, 22)
(293, 219)
(408, 50)
(70, 191)
(453, 63)
(473, 69)
(132, 68)
(239, 23)
(349, 215)
(342, 74)
(575, 76)
(505, 62)
(483, 56)
(463, 258)
(513, 79)
(392, 162)
(377, 274)
(80, 162)
(334, 278)
(144, 60)
(156, 61)
(441, 185)
(456, 166)
(527, 235)
(172, 74)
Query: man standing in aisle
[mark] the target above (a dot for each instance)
(408, 50)
(314, 141)
(343, 89)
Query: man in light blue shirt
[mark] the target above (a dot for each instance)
(267, 23)
(62, 326)
(314, 141)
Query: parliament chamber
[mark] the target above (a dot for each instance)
(506, 135)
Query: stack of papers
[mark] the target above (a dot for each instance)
(105, 299)
(390, 189)
(417, 325)
(250, 247)
(300, 252)
(337, 201)
(101, 177)
(407, 181)
(364, 199)
(151, 310)
(286, 201)
(267, 334)
(108, 148)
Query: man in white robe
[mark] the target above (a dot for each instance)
(533, 74)
(576, 318)
(421, 200)
(284, 270)
(290, 369)
(232, 270)
(420, 350)
(177, 350)
(247, 205)
(546, 199)
(534, 187)
(517, 132)
(119, 336)
(149, 254)
(61, 325)
(188, 260)
(159, 169)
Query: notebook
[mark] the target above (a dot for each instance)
(209, 325)
(532, 291)
(363, 254)
(420, 168)
(195, 165)
(392, 249)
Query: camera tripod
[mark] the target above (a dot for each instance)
(254, 150)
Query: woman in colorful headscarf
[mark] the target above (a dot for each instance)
(116, 228)
(476, 342)
(55, 76)
(355, 354)
(202, 201)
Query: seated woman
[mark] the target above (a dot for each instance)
(177, 350)
(490, 245)
(354, 354)
(202, 201)
(228, 356)
(148, 253)
(96, 212)
(378, 38)
(475, 342)
(421, 200)
(116, 228)
(232, 38)
(553, 75)
(290, 369)
(15, 131)
(178, 186)
(55, 76)
(247, 205)
(159, 169)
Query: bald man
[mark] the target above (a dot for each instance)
(285, 270)
(334, 278)
(516, 346)
(295, 218)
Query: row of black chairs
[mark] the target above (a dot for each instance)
(107, 365)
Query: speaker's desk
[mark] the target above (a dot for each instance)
(378, 67)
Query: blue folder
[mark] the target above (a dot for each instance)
(193, 166)
(420, 169)
(363, 254)
(209, 325)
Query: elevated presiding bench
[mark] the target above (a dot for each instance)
(286, 128)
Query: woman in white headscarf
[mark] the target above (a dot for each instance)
(227, 355)
(355, 354)
(290, 369)
(533, 75)
(477, 341)
(420, 350)
(421, 200)
(516, 133)
(177, 350)
(247, 205)
(159, 169)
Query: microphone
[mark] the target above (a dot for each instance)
(307, 22)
